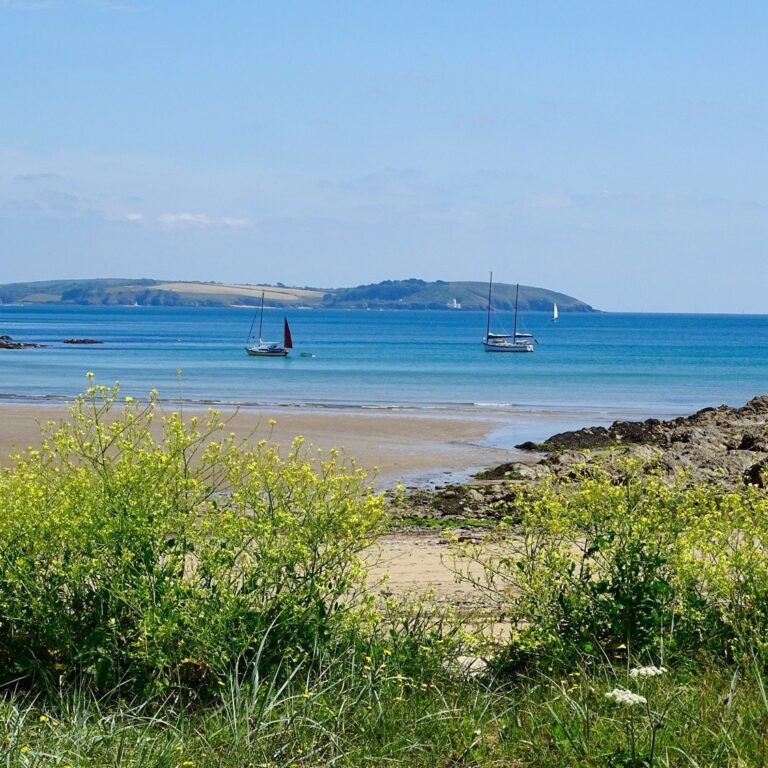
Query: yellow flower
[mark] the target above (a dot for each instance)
(43, 719)
(24, 749)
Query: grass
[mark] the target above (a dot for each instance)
(702, 716)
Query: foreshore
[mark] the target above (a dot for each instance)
(392, 447)
(413, 447)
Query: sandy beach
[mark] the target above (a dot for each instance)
(395, 447)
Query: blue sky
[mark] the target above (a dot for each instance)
(616, 151)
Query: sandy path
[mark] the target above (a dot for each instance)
(409, 564)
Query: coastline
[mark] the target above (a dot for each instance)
(414, 447)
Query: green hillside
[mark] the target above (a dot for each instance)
(389, 294)
(419, 294)
(106, 292)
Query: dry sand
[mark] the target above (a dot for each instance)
(413, 563)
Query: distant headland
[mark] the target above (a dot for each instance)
(389, 294)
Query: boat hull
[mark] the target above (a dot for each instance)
(256, 352)
(519, 347)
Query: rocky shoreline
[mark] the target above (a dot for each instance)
(6, 342)
(723, 445)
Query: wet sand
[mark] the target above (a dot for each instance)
(407, 447)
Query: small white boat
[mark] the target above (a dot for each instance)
(555, 313)
(517, 341)
(268, 348)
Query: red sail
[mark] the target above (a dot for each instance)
(287, 340)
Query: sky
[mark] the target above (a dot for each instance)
(616, 151)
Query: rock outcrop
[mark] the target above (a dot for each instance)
(6, 342)
(723, 445)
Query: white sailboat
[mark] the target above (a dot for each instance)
(555, 313)
(517, 341)
(268, 348)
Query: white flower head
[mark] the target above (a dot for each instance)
(625, 697)
(646, 672)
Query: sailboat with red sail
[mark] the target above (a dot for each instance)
(268, 348)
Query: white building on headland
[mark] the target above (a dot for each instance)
(453, 304)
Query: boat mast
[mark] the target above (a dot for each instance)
(261, 314)
(250, 332)
(517, 294)
(488, 318)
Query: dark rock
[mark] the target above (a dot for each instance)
(619, 433)
(753, 442)
(589, 437)
(82, 341)
(757, 474)
(757, 405)
(19, 345)
(528, 445)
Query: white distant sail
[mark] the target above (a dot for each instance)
(555, 313)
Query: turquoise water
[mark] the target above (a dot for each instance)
(634, 363)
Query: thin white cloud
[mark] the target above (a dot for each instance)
(136, 218)
(187, 220)
(236, 222)
(181, 220)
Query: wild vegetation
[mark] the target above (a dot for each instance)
(171, 597)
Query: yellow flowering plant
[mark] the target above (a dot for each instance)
(629, 562)
(148, 549)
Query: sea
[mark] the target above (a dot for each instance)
(586, 368)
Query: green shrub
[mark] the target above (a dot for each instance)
(153, 555)
(631, 565)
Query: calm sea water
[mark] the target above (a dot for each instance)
(634, 363)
